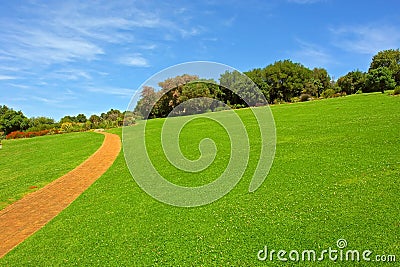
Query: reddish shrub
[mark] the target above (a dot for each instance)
(18, 134)
(15, 135)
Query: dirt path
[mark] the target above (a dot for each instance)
(24, 217)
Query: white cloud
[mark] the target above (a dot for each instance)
(113, 91)
(45, 100)
(6, 77)
(71, 74)
(312, 55)
(148, 46)
(40, 46)
(229, 21)
(75, 31)
(366, 39)
(21, 86)
(136, 61)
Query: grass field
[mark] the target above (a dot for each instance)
(29, 164)
(335, 176)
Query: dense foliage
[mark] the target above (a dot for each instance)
(282, 81)
(14, 124)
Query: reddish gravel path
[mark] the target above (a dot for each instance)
(24, 217)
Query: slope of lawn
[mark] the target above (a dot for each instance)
(335, 176)
(29, 164)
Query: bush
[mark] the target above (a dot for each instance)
(15, 135)
(221, 108)
(305, 97)
(329, 93)
(18, 134)
(396, 90)
(295, 99)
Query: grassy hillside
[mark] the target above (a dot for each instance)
(29, 164)
(335, 176)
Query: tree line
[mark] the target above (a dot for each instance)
(282, 81)
(13, 121)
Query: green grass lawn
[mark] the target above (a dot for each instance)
(29, 164)
(335, 176)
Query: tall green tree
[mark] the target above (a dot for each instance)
(11, 120)
(287, 80)
(41, 123)
(258, 76)
(147, 101)
(239, 89)
(352, 82)
(389, 59)
(95, 120)
(379, 80)
(321, 81)
(203, 91)
(68, 118)
(81, 118)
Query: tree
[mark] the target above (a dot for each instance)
(287, 80)
(68, 119)
(81, 118)
(114, 114)
(129, 118)
(171, 90)
(389, 59)
(203, 91)
(95, 120)
(41, 123)
(321, 81)
(11, 120)
(352, 82)
(258, 76)
(147, 101)
(239, 89)
(379, 79)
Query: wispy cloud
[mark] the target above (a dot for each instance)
(75, 31)
(148, 46)
(71, 74)
(366, 39)
(46, 100)
(40, 46)
(312, 54)
(136, 61)
(229, 21)
(112, 91)
(21, 86)
(6, 77)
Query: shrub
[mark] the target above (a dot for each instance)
(328, 93)
(54, 131)
(15, 135)
(396, 90)
(66, 127)
(221, 108)
(18, 134)
(305, 97)
(295, 99)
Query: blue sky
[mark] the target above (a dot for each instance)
(68, 57)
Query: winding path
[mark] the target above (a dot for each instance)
(26, 216)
